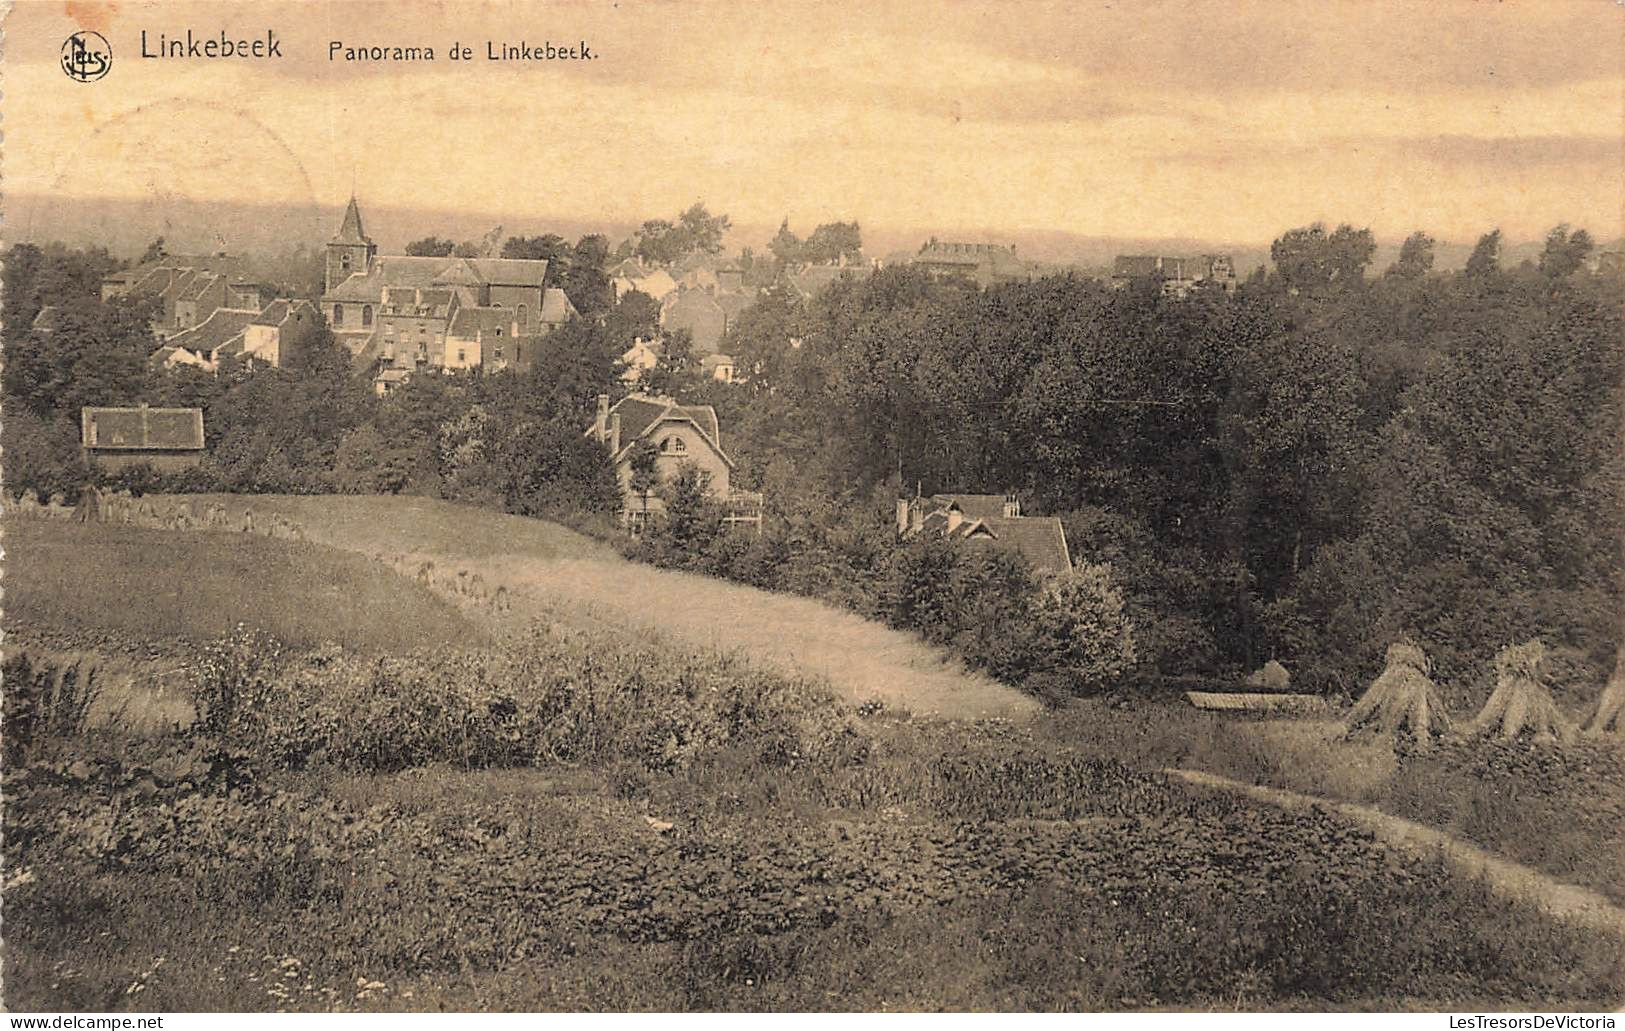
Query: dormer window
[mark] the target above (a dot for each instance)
(674, 446)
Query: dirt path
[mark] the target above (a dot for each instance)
(1510, 880)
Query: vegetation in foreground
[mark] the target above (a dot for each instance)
(107, 587)
(577, 821)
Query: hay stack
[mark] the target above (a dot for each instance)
(1521, 705)
(1403, 701)
(1273, 677)
(1610, 715)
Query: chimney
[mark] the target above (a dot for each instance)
(600, 425)
(615, 434)
(1012, 506)
(955, 517)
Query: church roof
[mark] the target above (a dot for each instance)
(556, 306)
(351, 232)
(510, 271)
(395, 271)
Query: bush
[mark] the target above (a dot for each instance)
(45, 699)
(593, 699)
(41, 455)
(1084, 629)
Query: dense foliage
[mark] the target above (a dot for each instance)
(1058, 636)
(1304, 470)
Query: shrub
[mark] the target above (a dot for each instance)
(567, 697)
(40, 454)
(45, 699)
(1084, 629)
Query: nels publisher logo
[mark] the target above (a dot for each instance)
(86, 56)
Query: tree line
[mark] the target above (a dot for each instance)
(1305, 470)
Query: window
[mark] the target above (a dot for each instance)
(344, 261)
(366, 314)
(673, 446)
(499, 331)
(496, 355)
(462, 358)
(523, 316)
(338, 314)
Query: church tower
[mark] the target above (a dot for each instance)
(351, 251)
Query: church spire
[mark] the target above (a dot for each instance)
(351, 231)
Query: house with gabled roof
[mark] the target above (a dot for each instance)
(1176, 276)
(280, 327)
(988, 520)
(219, 335)
(679, 435)
(188, 288)
(165, 438)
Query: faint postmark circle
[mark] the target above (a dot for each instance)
(86, 56)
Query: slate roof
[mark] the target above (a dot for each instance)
(470, 321)
(974, 506)
(351, 231)
(640, 414)
(396, 271)
(368, 356)
(815, 279)
(142, 429)
(272, 314)
(196, 288)
(511, 271)
(158, 275)
(1041, 540)
(215, 331)
(556, 306)
(410, 299)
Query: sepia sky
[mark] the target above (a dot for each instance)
(1225, 121)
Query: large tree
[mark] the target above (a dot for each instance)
(430, 247)
(1415, 257)
(1310, 260)
(1565, 252)
(1486, 257)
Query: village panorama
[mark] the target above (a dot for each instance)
(617, 536)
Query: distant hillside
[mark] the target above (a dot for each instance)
(126, 226)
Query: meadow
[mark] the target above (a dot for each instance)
(560, 575)
(569, 815)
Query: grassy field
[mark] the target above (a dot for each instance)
(558, 574)
(622, 807)
(141, 584)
